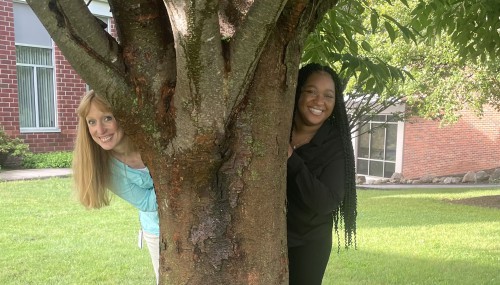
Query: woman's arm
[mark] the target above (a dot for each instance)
(322, 194)
(136, 187)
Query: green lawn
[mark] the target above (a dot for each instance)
(48, 238)
(416, 237)
(404, 237)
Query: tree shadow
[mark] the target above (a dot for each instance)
(422, 207)
(369, 267)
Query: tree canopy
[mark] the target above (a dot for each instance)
(472, 25)
(396, 50)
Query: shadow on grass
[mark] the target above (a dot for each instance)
(422, 207)
(367, 267)
(429, 190)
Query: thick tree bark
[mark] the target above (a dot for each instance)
(206, 89)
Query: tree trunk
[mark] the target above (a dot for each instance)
(223, 209)
(205, 89)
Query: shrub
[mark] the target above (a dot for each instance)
(11, 146)
(59, 159)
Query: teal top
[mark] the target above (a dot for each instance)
(136, 187)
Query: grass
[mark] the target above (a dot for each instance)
(416, 237)
(404, 237)
(48, 238)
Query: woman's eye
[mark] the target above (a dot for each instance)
(310, 92)
(108, 118)
(91, 122)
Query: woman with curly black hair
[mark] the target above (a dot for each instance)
(321, 188)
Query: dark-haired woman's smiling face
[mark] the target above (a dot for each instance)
(317, 99)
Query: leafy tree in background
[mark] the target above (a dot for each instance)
(472, 25)
(342, 40)
(395, 51)
(459, 60)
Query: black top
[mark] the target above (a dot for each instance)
(315, 186)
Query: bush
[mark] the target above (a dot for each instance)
(60, 159)
(11, 147)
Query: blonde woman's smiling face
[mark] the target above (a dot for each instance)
(317, 99)
(103, 128)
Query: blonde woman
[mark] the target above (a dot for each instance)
(106, 159)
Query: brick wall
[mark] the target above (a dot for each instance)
(69, 89)
(472, 144)
(9, 108)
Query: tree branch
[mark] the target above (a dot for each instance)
(146, 36)
(200, 91)
(89, 49)
(99, 40)
(246, 46)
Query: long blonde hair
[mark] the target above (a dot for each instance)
(91, 171)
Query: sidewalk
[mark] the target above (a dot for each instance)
(29, 174)
(426, 186)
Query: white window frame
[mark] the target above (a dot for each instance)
(399, 141)
(99, 8)
(38, 129)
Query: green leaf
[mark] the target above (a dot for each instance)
(340, 44)
(390, 31)
(363, 75)
(370, 84)
(366, 46)
(374, 21)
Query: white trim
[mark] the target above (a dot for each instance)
(96, 7)
(393, 109)
(35, 65)
(40, 130)
(54, 90)
(400, 147)
(354, 141)
(36, 46)
(100, 9)
(56, 107)
(35, 89)
(399, 140)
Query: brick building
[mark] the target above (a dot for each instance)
(40, 92)
(421, 147)
(472, 144)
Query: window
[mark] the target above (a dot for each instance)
(377, 147)
(35, 72)
(35, 75)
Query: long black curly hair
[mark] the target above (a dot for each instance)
(347, 211)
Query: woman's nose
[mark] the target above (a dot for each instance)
(320, 99)
(100, 128)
